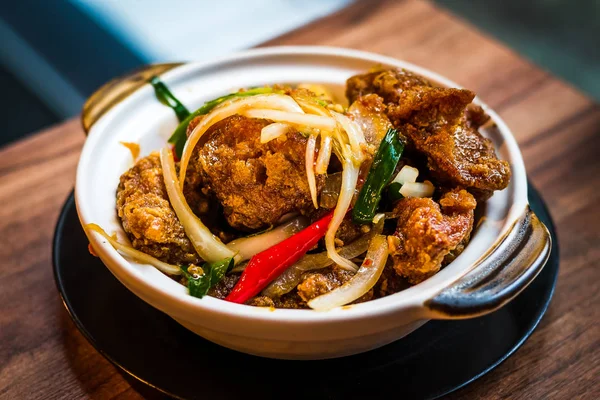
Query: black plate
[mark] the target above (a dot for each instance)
(438, 358)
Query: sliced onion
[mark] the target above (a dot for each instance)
(366, 277)
(292, 276)
(417, 189)
(324, 155)
(249, 246)
(349, 180)
(310, 168)
(227, 109)
(134, 254)
(310, 106)
(207, 245)
(378, 217)
(273, 131)
(301, 119)
(331, 190)
(407, 174)
(354, 132)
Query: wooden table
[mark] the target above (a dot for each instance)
(42, 355)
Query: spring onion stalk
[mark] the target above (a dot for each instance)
(364, 279)
(324, 155)
(349, 180)
(273, 131)
(234, 106)
(207, 245)
(134, 254)
(164, 95)
(310, 168)
(300, 119)
(179, 136)
(292, 276)
(380, 173)
(247, 247)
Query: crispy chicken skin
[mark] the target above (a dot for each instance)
(256, 183)
(426, 233)
(438, 124)
(389, 84)
(147, 215)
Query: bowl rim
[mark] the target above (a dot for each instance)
(165, 299)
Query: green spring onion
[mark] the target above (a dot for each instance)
(164, 95)
(385, 161)
(198, 285)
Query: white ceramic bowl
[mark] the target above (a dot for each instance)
(506, 252)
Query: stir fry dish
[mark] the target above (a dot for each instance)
(280, 196)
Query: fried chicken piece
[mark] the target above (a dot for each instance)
(320, 282)
(147, 217)
(438, 124)
(387, 83)
(261, 301)
(256, 183)
(288, 300)
(224, 286)
(389, 282)
(426, 233)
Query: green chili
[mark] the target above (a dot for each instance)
(380, 173)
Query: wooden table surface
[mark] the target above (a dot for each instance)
(43, 356)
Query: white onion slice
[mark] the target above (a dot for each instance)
(407, 174)
(249, 246)
(324, 155)
(378, 217)
(354, 132)
(366, 277)
(311, 107)
(134, 254)
(227, 109)
(273, 131)
(417, 189)
(207, 245)
(310, 168)
(349, 180)
(310, 120)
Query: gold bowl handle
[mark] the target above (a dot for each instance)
(116, 90)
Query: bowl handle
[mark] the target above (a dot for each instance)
(116, 90)
(499, 277)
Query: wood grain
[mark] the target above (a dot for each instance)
(43, 356)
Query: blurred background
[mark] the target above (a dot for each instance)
(55, 53)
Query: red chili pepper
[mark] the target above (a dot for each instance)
(265, 266)
(175, 156)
